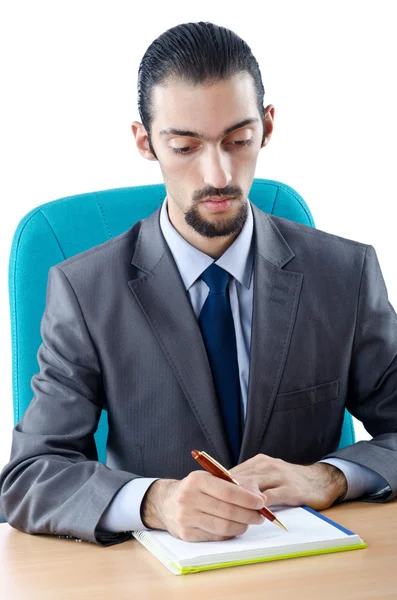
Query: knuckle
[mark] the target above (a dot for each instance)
(218, 507)
(254, 501)
(216, 526)
(260, 460)
(228, 512)
(182, 497)
(226, 528)
(191, 477)
(226, 495)
(194, 478)
(187, 486)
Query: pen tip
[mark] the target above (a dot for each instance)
(195, 453)
(277, 522)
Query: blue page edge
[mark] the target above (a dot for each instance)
(320, 516)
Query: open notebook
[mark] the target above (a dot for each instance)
(308, 533)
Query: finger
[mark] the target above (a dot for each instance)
(231, 512)
(253, 465)
(281, 496)
(222, 527)
(249, 483)
(272, 497)
(231, 493)
(195, 534)
(261, 481)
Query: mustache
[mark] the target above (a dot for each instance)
(229, 190)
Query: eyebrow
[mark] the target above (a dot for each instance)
(201, 136)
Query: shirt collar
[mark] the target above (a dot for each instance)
(191, 262)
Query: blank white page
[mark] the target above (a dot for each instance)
(303, 527)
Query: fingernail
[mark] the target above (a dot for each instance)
(259, 504)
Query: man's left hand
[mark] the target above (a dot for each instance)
(283, 483)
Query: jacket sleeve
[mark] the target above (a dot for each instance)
(372, 393)
(54, 483)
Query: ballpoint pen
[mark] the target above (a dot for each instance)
(213, 467)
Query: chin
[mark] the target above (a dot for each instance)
(220, 224)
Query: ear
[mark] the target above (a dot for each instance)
(269, 122)
(142, 140)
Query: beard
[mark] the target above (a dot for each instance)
(220, 227)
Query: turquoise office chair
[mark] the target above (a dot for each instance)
(58, 230)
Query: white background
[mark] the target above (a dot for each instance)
(68, 95)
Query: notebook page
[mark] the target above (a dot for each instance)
(303, 527)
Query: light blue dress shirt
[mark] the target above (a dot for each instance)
(123, 514)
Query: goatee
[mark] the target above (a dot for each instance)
(221, 227)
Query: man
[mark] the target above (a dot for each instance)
(209, 325)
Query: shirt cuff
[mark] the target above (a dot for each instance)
(124, 512)
(361, 481)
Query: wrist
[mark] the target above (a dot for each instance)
(153, 503)
(335, 482)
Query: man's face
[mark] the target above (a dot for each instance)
(207, 139)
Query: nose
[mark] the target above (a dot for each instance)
(216, 168)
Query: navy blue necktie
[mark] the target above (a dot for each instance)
(217, 328)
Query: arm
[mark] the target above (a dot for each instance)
(54, 482)
(368, 469)
(361, 481)
(372, 394)
(124, 512)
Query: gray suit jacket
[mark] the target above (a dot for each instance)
(119, 332)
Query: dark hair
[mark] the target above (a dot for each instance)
(197, 53)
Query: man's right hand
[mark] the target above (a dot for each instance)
(201, 507)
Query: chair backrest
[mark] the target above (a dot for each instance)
(60, 229)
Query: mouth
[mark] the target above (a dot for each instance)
(217, 198)
(218, 203)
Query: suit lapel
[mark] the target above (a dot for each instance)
(276, 298)
(160, 293)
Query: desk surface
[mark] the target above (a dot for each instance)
(47, 568)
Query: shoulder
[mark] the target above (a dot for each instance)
(104, 261)
(304, 239)
(313, 249)
(298, 231)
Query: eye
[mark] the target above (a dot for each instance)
(239, 139)
(241, 143)
(183, 150)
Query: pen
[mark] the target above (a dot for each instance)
(213, 467)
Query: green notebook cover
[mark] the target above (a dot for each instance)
(309, 533)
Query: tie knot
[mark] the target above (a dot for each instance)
(216, 278)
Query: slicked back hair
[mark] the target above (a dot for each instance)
(197, 53)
